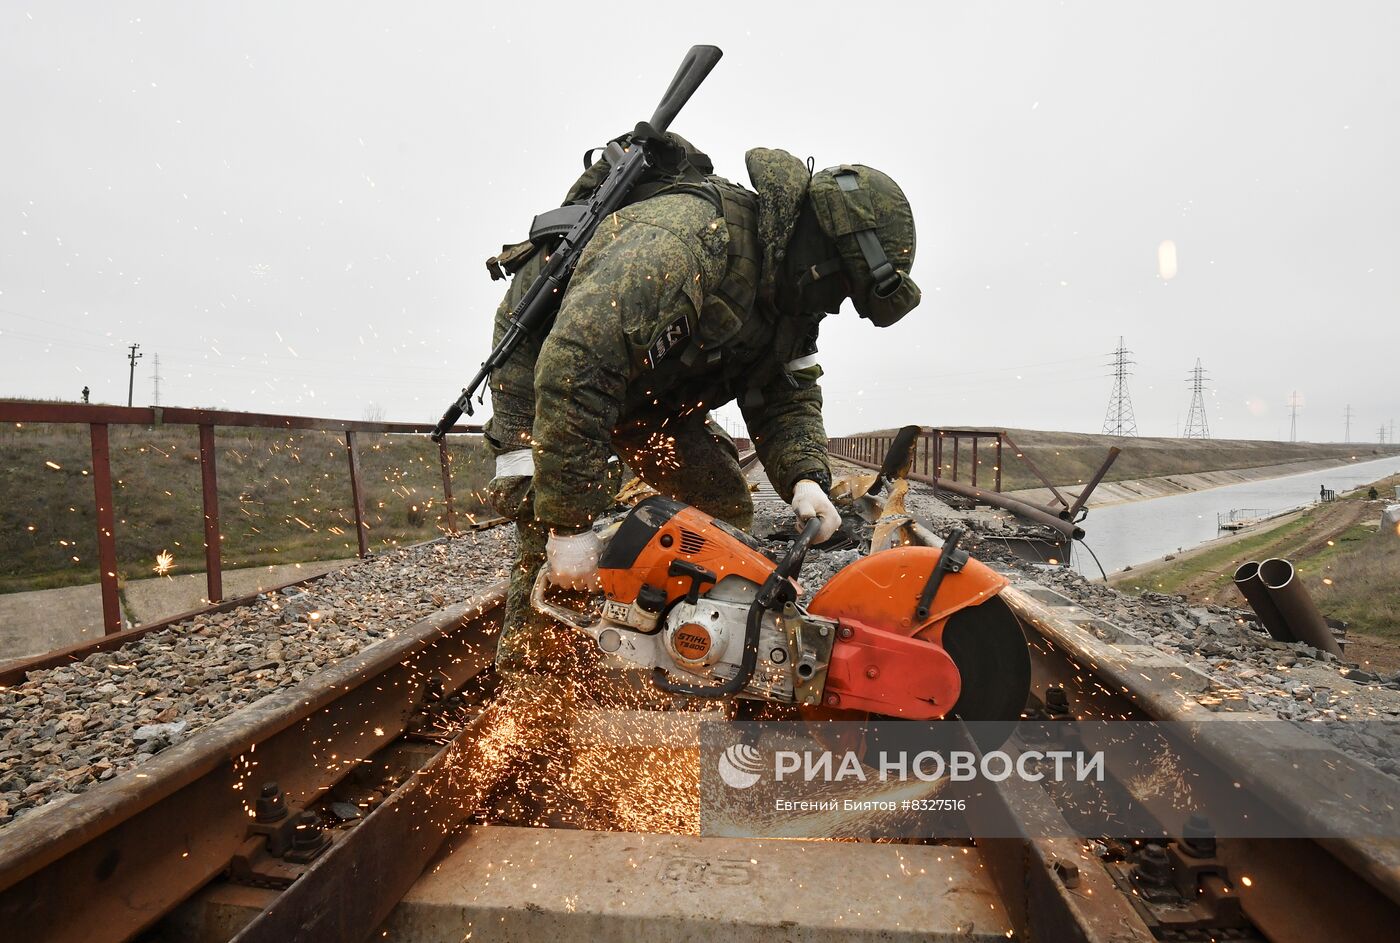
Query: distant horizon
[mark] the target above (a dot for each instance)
(878, 430)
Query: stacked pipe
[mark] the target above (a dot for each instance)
(1284, 607)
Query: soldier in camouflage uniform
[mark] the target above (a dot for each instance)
(697, 293)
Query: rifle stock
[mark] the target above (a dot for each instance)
(537, 306)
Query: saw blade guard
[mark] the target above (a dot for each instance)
(967, 658)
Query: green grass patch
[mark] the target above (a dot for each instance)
(1358, 581)
(284, 497)
(1220, 562)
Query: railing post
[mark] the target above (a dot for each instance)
(106, 528)
(957, 444)
(357, 492)
(213, 544)
(938, 456)
(974, 461)
(998, 463)
(446, 459)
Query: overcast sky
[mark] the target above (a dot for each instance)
(290, 203)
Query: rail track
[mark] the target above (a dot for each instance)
(112, 862)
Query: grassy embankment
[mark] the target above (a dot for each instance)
(1351, 568)
(284, 498)
(1070, 458)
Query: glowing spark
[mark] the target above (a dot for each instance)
(165, 561)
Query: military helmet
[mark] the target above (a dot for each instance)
(867, 216)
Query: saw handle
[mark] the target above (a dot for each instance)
(950, 560)
(699, 577)
(791, 563)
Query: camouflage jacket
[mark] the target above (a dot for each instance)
(669, 312)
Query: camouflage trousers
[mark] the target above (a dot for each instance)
(687, 458)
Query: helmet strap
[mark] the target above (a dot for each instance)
(882, 271)
(815, 273)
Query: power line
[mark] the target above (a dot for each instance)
(1196, 425)
(155, 380)
(133, 356)
(1119, 419)
(1348, 415)
(1293, 406)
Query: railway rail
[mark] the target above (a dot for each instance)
(112, 862)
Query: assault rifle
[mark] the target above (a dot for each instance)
(577, 223)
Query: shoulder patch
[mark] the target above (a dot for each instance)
(668, 341)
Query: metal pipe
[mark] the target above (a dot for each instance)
(1035, 469)
(1252, 589)
(1007, 503)
(1088, 489)
(1296, 606)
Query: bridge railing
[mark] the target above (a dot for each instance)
(938, 453)
(937, 460)
(99, 419)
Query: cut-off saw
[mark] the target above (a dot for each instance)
(913, 632)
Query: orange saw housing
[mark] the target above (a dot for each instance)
(884, 660)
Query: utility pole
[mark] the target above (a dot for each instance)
(155, 380)
(133, 356)
(1293, 405)
(1348, 438)
(1119, 419)
(1380, 435)
(1196, 425)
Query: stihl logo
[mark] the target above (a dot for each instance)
(692, 642)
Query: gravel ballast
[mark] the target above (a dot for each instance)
(66, 728)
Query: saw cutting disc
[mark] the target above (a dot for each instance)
(986, 643)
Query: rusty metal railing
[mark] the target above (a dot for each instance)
(937, 453)
(935, 460)
(99, 419)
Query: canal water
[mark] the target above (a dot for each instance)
(1128, 534)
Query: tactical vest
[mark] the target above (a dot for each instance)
(739, 339)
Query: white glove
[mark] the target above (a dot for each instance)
(809, 501)
(572, 560)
